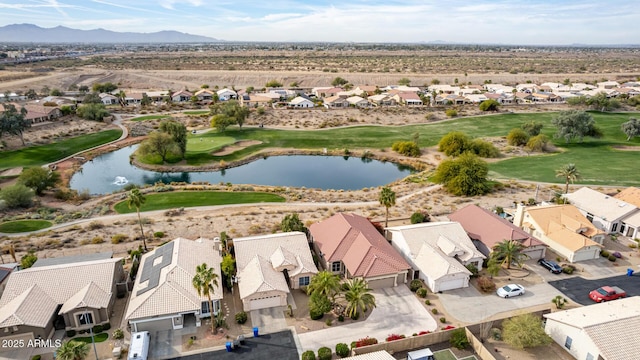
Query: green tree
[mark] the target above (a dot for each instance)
(72, 350)
(292, 222)
(525, 331)
(483, 148)
(387, 198)
(221, 122)
(39, 179)
(572, 124)
(159, 143)
(406, 148)
(121, 95)
(569, 173)
(454, 143)
(517, 137)
(489, 105)
(136, 199)
(419, 217)
(228, 268)
(83, 88)
(459, 339)
(27, 260)
(91, 98)
(273, 84)
(559, 301)
(178, 133)
(17, 195)
(319, 303)
(96, 112)
(228, 113)
(602, 102)
(145, 101)
(404, 81)
(493, 267)
(532, 128)
(324, 283)
(631, 128)
(465, 175)
(205, 282)
(13, 121)
(338, 81)
(31, 94)
(508, 252)
(56, 92)
(104, 87)
(358, 296)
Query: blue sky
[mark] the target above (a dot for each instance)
(526, 22)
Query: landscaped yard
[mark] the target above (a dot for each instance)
(150, 117)
(43, 154)
(96, 338)
(196, 112)
(178, 199)
(448, 355)
(19, 226)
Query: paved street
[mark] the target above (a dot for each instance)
(577, 288)
(398, 311)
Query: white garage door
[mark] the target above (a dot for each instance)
(267, 302)
(156, 325)
(451, 284)
(534, 254)
(381, 283)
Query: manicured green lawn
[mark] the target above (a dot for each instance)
(24, 226)
(43, 154)
(98, 338)
(196, 112)
(596, 159)
(207, 142)
(150, 117)
(170, 200)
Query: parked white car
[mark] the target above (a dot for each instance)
(510, 290)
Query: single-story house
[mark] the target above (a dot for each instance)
(301, 102)
(325, 92)
(226, 94)
(133, 98)
(69, 293)
(38, 113)
(270, 265)
(181, 96)
(606, 212)
(349, 245)
(358, 101)
(487, 229)
(163, 296)
(603, 331)
(408, 98)
(475, 98)
(336, 102)
(563, 228)
(108, 99)
(158, 96)
(366, 90)
(438, 253)
(253, 101)
(383, 100)
(204, 95)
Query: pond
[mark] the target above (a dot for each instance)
(110, 172)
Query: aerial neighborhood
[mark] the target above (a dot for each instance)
(168, 220)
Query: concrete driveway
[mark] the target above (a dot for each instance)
(398, 311)
(577, 288)
(468, 305)
(269, 320)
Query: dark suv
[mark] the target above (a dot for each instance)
(550, 265)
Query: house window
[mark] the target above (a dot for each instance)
(567, 343)
(589, 356)
(303, 281)
(335, 266)
(590, 217)
(614, 228)
(205, 307)
(85, 318)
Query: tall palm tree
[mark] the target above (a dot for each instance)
(570, 173)
(72, 350)
(508, 252)
(205, 281)
(387, 199)
(358, 296)
(136, 199)
(324, 283)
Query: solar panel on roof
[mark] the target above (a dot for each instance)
(151, 272)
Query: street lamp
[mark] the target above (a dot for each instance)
(86, 320)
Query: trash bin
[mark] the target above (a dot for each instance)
(629, 272)
(229, 346)
(255, 332)
(241, 339)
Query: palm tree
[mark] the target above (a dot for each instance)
(570, 173)
(508, 252)
(387, 199)
(72, 350)
(205, 281)
(357, 294)
(136, 199)
(324, 283)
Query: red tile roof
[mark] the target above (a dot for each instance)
(489, 228)
(353, 240)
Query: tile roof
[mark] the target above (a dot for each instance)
(602, 205)
(261, 259)
(33, 307)
(174, 292)
(630, 195)
(89, 296)
(73, 259)
(609, 325)
(489, 228)
(564, 224)
(353, 240)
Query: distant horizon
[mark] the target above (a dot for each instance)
(501, 22)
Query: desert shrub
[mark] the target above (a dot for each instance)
(393, 337)
(406, 148)
(568, 270)
(97, 240)
(473, 269)
(315, 314)
(342, 350)
(341, 318)
(605, 253)
(427, 302)
(36, 357)
(486, 284)
(434, 311)
(95, 225)
(454, 143)
(422, 292)
(241, 317)
(366, 342)
(97, 329)
(538, 143)
(309, 355)
(612, 258)
(451, 112)
(118, 238)
(324, 353)
(106, 326)
(532, 128)
(489, 105)
(484, 149)
(118, 334)
(419, 217)
(443, 319)
(328, 322)
(459, 339)
(158, 234)
(17, 195)
(71, 333)
(517, 137)
(415, 284)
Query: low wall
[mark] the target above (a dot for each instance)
(479, 347)
(412, 342)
